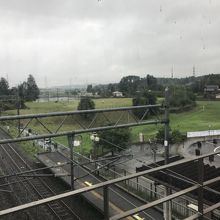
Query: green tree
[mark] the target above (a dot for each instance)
(151, 82)
(89, 88)
(175, 136)
(145, 98)
(4, 87)
(22, 91)
(86, 103)
(32, 90)
(181, 96)
(129, 85)
(113, 140)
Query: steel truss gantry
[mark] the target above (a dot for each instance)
(99, 119)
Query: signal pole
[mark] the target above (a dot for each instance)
(18, 113)
(70, 143)
(167, 205)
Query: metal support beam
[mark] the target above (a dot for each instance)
(117, 122)
(106, 202)
(205, 211)
(162, 200)
(52, 114)
(70, 142)
(114, 181)
(33, 170)
(200, 190)
(59, 134)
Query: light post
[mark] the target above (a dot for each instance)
(72, 143)
(167, 205)
(95, 138)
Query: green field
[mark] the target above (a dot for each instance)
(203, 117)
(43, 107)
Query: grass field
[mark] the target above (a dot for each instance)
(203, 117)
(43, 107)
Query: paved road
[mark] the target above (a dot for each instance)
(119, 200)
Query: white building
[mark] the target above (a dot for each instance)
(117, 94)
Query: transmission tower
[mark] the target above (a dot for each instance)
(172, 72)
(194, 71)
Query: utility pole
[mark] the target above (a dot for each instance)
(167, 205)
(57, 95)
(18, 113)
(172, 72)
(48, 95)
(70, 142)
(166, 125)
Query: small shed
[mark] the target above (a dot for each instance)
(117, 94)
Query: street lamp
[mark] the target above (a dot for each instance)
(94, 137)
(76, 142)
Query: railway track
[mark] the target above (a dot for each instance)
(28, 189)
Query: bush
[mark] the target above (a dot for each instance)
(113, 139)
(182, 97)
(175, 136)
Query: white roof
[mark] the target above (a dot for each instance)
(203, 133)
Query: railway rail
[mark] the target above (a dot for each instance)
(29, 189)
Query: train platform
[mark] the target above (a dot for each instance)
(119, 200)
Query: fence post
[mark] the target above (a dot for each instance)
(200, 190)
(106, 202)
(70, 142)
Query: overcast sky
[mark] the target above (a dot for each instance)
(62, 42)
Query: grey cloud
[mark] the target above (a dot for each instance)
(100, 41)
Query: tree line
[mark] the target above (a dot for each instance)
(13, 97)
(131, 85)
(27, 90)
